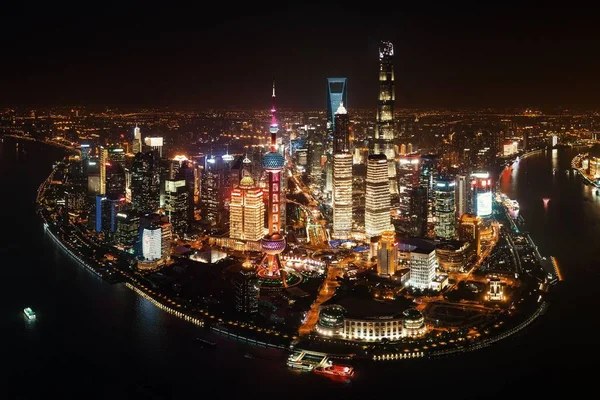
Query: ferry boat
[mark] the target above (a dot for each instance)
(206, 342)
(29, 313)
(335, 371)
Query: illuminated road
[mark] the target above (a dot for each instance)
(484, 254)
(315, 230)
(326, 291)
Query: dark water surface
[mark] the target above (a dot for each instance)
(94, 340)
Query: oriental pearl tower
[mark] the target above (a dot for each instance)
(270, 268)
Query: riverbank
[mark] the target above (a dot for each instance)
(250, 333)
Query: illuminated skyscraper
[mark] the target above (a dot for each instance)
(246, 288)
(377, 205)
(462, 193)
(154, 143)
(342, 176)
(385, 135)
(469, 230)
(177, 204)
(274, 242)
(128, 226)
(336, 95)
(137, 140)
(247, 211)
(145, 187)
(481, 194)
(408, 180)
(102, 160)
(445, 212)
(387, 255)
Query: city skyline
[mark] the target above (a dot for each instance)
(139, 56)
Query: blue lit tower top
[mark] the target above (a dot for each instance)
(336, 93)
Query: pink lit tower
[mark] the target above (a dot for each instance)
(270, 269)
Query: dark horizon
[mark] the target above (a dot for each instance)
(136, 56)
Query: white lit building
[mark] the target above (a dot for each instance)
(496, 290)
(377, 202)
(423, 263)
(342, 195)
(137, 140)
(151, 243)
(155, 143)
(510, 148)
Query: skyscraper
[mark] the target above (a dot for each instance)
(214, 191)
(385, 135)
(137, 140)
(186, 173)
(246, 290)
(377, 206)
(154, 143)
(145, 183)
(387, 255)
(336, 95)
(177, 204)
(342, 176)
(445, 212)
(102, 160)
(408, 180)
(481, 194)
(462, 192)
(274, 242)
(246, 211)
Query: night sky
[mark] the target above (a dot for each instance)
(148, 54)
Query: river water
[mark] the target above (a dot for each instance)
(96, 340)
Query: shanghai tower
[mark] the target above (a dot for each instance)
(385, 135)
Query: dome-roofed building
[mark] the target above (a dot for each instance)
(413, 323)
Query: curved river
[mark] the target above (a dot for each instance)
(97, 340)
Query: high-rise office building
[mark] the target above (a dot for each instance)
(137, 140)
(481, 194)
(423, 264)
(187, 173)
(247, 211)
(341, 133)
(156, 235)
(387, 255)
(462, 194)
(152, 243)
(445, 211)
(385, 133)
(274, 242)
(336, 94)
(177, 204)
(128, 227)
(246, 288)
(430, 166)
(115, 179)
(107, 208)
(154, 143)
(342, 195)
(102, 160)
(469, 230)
(377, 204)
(145, 182)
(342, 175)
(214, 191)
(408, 180)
